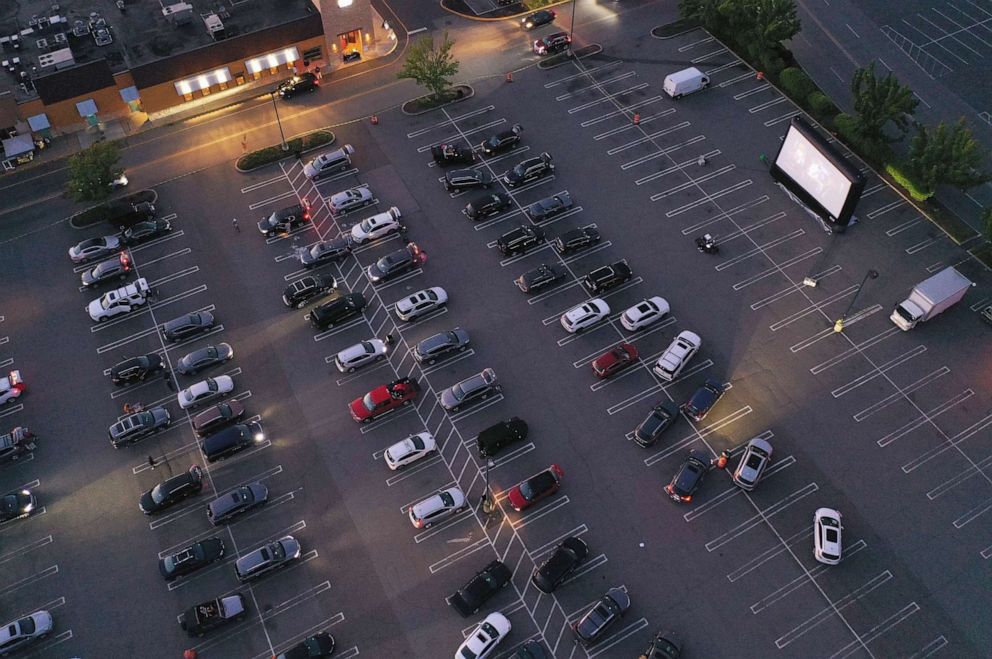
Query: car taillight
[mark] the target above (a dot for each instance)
(687, 499)
(306, 216)
(419, 523)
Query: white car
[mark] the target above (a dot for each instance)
(585, 315)
(377, 226)
(123, 300)
(483, 641)
(757, 455)
(409, 450)
(11, 387)
(420, 303)
(677, 355)
(205, 390)
(94, 248)
(351, 199)
(359, 355)
(18, 634)
(644, 313)
(826, 536)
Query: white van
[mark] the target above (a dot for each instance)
(685, 82)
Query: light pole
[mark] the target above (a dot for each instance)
(571, 28)
(488, 504)
(282, 136)
(839, 325)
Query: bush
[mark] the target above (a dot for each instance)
(876, 153)
(297, 146)
(821, 106)
(903, 178)
(533, 5)
(847, 127)
(796, 83)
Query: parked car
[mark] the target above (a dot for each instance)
(541, 277)
(601, 617)
(493, 203)
(265, 559)
(305, 290)
(136, 369)
(689, 477)
(658, 420)
(502, 141)
(212, 355)
(212, 614)
(141, 231)
(666, 645)
(303, 82)
(336, 310)
(421, 303)
(562, 562)
(358, 355)
(119, 301)
(606, 277)
(188, 325)
(473, 177)
(519, 240)
(237, 502)
(447, 154)
(615, 360)
(409, 450)
(94, 248)
(529, 170)
(576, 239)
(644, 313)
(584, 316)
(531, 649)
(538, 18)
(384, 399)
(377, 226)
(443, 344)
(349, 200)
(395, 263)
(172, 491)
(470, 390)
(17, 504)
(553, 43)
(284, 220)
(337, 160)
(139, 425)
(326, 251)
(757, 455)
(540, 485)
(827, 536)
(482, 642)
(498, 436)
(313, 647)
(219, 416)
(205, 390)
(225, 443)
(697, 407)
(437, 507)
(488, 581)
(677, 355)
(548, 207)
(19, 634)
(192, 558)
(116, 268)
(12, 387)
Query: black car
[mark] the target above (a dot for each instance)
(519, 240)
(460, 179)
(441, 345)
(222, 445)
(219, 416)
(530, 169)
(306, 289)
(188, 325)
(541, 277)
(549, 207)
(447, 154)
(191, 558)
(697, 407)
(598, 620)
(315, 647)
(15, 505)
(502, 140)
(285, 220)
(236, 502)
(532, 649)
(304, 82)
(498, 436)
(657, 421)
(204, 358)
(172, 491)
(116, 268)
(553, 43)
(146, 230)
(136, 369)
(537, 19)
(491, 204)
(480, 589)
(566, 558)
(326, 251)
(137, 426)
(689, 477)
(334, 311)
(606, 277)
(666, 645)
(576, 239)
(395, 263)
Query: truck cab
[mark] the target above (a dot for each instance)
(207, 616)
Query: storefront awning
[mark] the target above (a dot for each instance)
(86, 108)
(203, 81)
(17, 145)
(272, 60)
(130, 94)
(39, 122)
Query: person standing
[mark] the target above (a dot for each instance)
(234, 223)
(151, 462)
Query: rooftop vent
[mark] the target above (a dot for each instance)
(179, 13)
(214, 26)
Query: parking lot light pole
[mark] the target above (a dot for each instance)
(488, 502)
(571, 28)
(839, 325)
(282, 136)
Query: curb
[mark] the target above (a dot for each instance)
(289, 153)
(688, 29)
(465, 97)
(72, 217)
(483, 19)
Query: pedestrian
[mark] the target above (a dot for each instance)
(721, 462)
(702, 160)
(404, 237)
(127, 408)
(390, 340)
(168, 380)
(234, 223)
(151, 462)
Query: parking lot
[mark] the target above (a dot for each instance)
(882, 425)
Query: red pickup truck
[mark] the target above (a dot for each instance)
(383, 399)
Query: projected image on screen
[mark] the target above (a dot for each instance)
(811, 170)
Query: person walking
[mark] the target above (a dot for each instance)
(151, 462)
(721, 462)
(167, 376)
(234, 223)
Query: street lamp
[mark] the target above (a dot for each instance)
(839, 325)
(275, 106)
(488, 502)
(571, 28)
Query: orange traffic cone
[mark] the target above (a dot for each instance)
(509, 76)
(637, 118)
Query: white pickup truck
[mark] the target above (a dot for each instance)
(123, 300)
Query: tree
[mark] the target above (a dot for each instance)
(947, 155)
(987, 223)
(760, 27)
(878, 102)
(92, 170)
(431, 66)
(704, 12)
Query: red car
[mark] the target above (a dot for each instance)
(535, 488)
(614, 361)
(384, 399)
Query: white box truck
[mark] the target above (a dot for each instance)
(930, 297)
(684, 82)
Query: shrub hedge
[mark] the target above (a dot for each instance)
(297, 146)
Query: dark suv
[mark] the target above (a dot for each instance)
(703, 400)
(476, 177)
(481, 588)
(446, 154)
(285, 220)
(519, 240)
(563, 562)
(498, 436)
(236, 502)
(305, 82)
(336, 310)
(553, 43)
(607, 277)
(188, 325)
(326, 251)
(492, 204)
(441, 345)
(539, 278)
(657, 421)
(576, 239)
(136, 426)
(222, 445)
(395, 263)
(548, 207)
(191, 558)
(529, 170)
(302, 291)
(502, 140)
(136, 369)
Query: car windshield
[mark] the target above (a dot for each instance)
(367, 225)
(145, 418)
(417, 443)
(278, 551)
(27, 626)
(106, 301)
(158, 493)
(367, 402)
(447, 499)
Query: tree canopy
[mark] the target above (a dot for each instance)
(430, 65)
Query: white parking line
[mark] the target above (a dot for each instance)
(450, 121)
(576, 91)
(448, 139)
(545, 509)
(877, 371)
(585, 73)
(456, 556)
(827, 332)
(957, 479)
(427, 534)
(798, 582)
(918, 384)
(699, 433)
(838, 605)
(645, 119)
(761, 517)
(617, 637)
(877, 630)
(27, 581)
(31, 546)
(779, 547)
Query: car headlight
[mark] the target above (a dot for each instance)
(259, 436)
